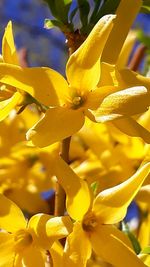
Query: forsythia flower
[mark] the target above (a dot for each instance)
(25, 243)
(9, 96)
(83, 95)
(93, 227)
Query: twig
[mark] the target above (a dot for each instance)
(137, 57)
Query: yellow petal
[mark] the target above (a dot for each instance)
(127, 102)
(56, 252)
(58, 227)
(126, 14)
(6, 106)
(144, 231)
(95, 97)
(127, 78)
(57, 124)
(145, 258)
(130, 127)
(44, 84)
(83, 70)
(76, 190)
(37, 226)
(28, 201)
(33, 257)
(7, 254)
(111, 204)
(11, 217)
(8, 47)
(78, 248)
(126, 50)
(113, 246)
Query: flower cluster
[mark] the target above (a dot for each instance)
(100, 113)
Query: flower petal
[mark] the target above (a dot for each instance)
(130, 127)
(95, 97)
(29, 201)
(78, 248)
(76, 190)
(33, 257)
(57, 124)
(44, 84)
(126, 50)
(11, 217)
(8, 47)
(113, 246)
(83, 70)
(58, 227)
(7, 254)
(127, 102)
(56, 252)
(37, 226)
(128, 78)
(6, 106)
(126, 14)
(111, 205)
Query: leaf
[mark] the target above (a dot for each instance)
(73, 13)
(62, 9)
(67, 2)
(146, 250)
(84, 9)
(51, 23)
(94, 187)
(108, 7)
(51, 4)
(145, 39)
(145, 7)
(131, 236)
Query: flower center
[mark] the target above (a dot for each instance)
(77, 101)
(22, 239)
(89, 222)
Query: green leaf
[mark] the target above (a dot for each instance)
(146, 250)
(84, 9)
(73, 13)
(49, 24)
(95, 10)
(131, 236)
(145, 7)
(108, 7)
(94, 187)
(51, 4)
(67, 2)
(145, 39)
(62, 8)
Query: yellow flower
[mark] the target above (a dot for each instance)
(25, 243)
(93, 227)
(9, 96)
(113, 72)
(70, 101)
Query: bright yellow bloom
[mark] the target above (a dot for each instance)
(25, 243)
(93, 227)
(83, 93)
(113, 72)
(9, 96)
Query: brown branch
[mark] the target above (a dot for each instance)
(49, 260)
(137, 57)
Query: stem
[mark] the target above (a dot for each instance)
(60, 195)
(74, 40)
(137, 57)
(49, 260)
